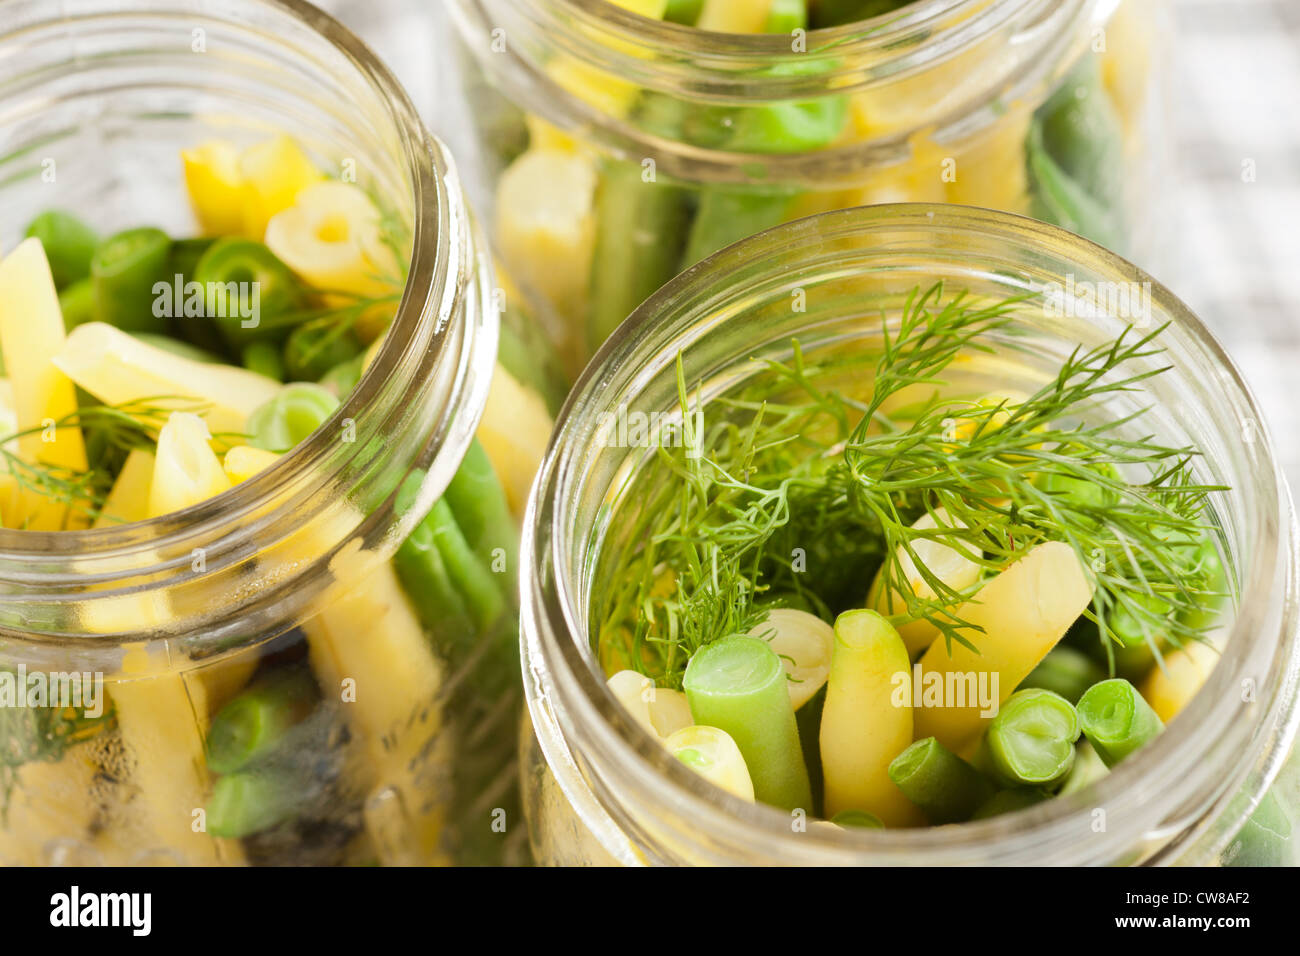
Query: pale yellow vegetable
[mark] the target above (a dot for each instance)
(989, 168)
(161, 717)
(546, 225)
(804, 642)
(273, 173)
(1169, 689)
(712, 754)
(128, 499)
(333, 237)
(865, 724)
(31, 335)
(244, 461)
(734, 16)
(369, 652)
(947, 564)
(599, 88)
(514, 431)
(48, 807)
(660, 710)
(117, 368)
(216, 187)
(186, 470)
(1023, 611)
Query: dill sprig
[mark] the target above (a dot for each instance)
(802, 492)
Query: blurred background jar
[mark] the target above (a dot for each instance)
(600, 788)
(320, 664)
(622, 147)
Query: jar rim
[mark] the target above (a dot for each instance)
(556, 627)
(440, 274)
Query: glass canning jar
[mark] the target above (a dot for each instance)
(404, 742)
(598, 788)
(623, 149)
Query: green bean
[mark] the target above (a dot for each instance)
(1087, 770)
(1031, 740)
(858, 819)
(1065, 671)
(1060, 200)
(834, 13)
(124, 270)
(69, 245)
(786, 16)
(344, 377)
(249, 294)
(1265, 839)
(77, 303)
(251, 801)
(946, 788)
(297, 410)
(255, 722)
(808, 719)
(738, 685)
(729, 214)
(1116, 720)
(198, 330)
(685, 12)
(1009, 801)
(640, 229)
(525, 351)
(264, 359)
(313, 349)
(482, 513)
(1082, 131)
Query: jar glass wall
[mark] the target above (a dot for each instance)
(292, 604)
(623, 149)
(599, 786)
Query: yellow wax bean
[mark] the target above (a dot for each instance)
(128, 500)
(514, 430)
(216, 187)
(546, 224)
(161, 716)
(947, 564)
(1023, 611)
(734, 16)
(118, 368)
(864, 723)
(658, 709)
(804, 642)
(186, 469)
(274, 173)
(712, 754)
(1185, 671)
(244, 461)
(31, 335)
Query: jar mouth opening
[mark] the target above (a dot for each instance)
(429, 274)
(558, 627)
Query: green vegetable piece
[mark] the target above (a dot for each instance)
(1031, 740)
(1009, 801)
(312, 349)
(946, 788)
(255, 722)
(249, 295)
(1082, 131)
(1087, 770)
(738, 685)
(296, 411)
(69, 245)
(526, 352)
(1060, 200)
(685, 12)
(264, 359)
(729, 214)
(1065, 671)
(124, 270)
(77, 303)
(478, 501)
(858, 819)
(640, 230)
(786, 16)
(1116, 719)
(344, 377)
(1265, 839)
(252, 801)
(835, 13)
